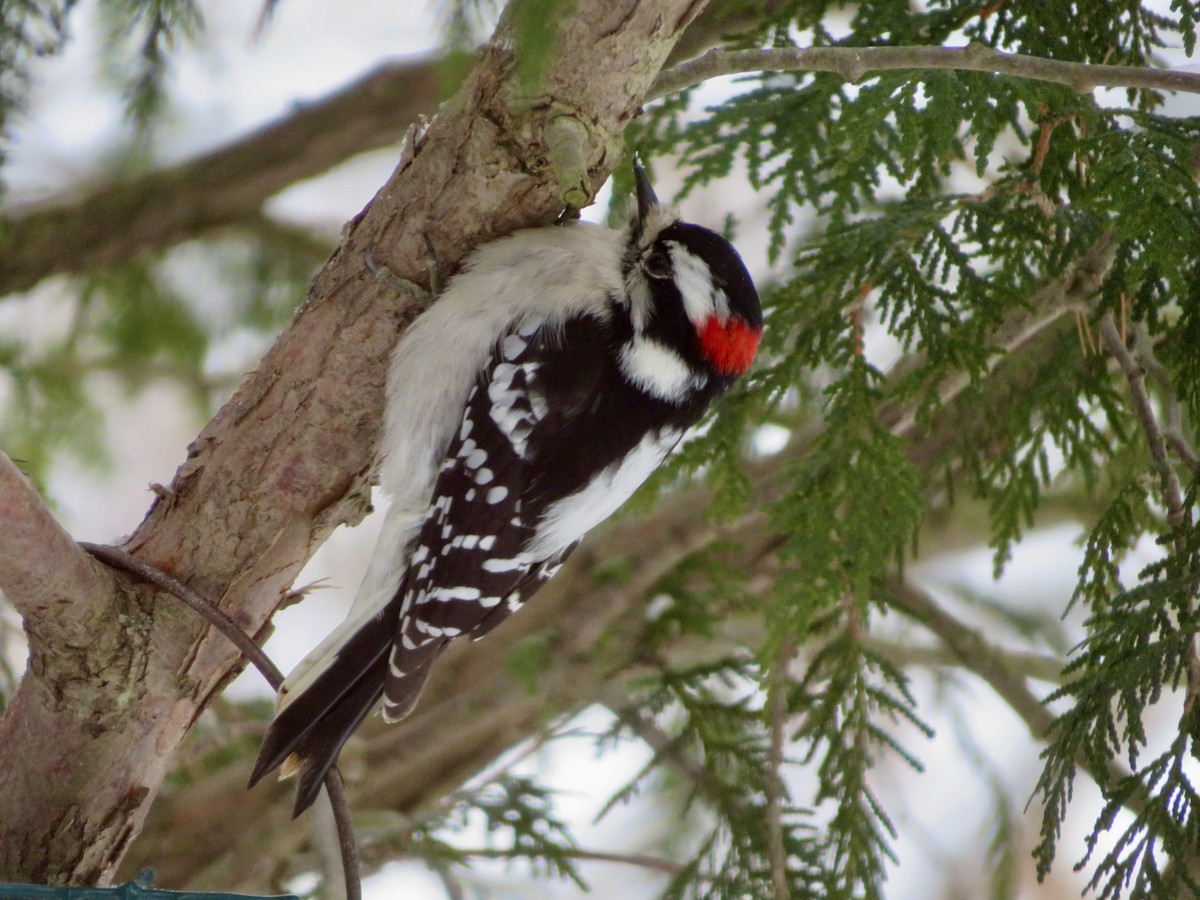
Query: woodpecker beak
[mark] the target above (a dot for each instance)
(646, 198)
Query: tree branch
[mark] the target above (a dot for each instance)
(43, 573)
(777, 692)
(852, 63)
(641, 860)
(72, 234)
(290, 457)
(979, 656)
(1172, 492)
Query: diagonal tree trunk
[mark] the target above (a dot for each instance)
(118, 674)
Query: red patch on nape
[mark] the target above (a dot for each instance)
(729, 347)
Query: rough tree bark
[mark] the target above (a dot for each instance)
(118, 674)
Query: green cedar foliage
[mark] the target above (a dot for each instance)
(518, 822)
(28, 29)
(139, 37)
(893, 242)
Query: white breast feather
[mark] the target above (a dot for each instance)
(570, 518)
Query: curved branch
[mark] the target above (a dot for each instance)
(852, 63)
(989, 663)
(119, 559)
(72, 234)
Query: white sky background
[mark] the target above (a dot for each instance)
(233, 84)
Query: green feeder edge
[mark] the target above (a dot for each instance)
(141, 889)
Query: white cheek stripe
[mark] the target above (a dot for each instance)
(701, 299)
(658, 370)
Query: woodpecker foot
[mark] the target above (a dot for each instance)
(403, 285)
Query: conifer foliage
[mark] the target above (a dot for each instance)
(983, 317)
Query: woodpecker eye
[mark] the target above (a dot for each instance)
(658, 265)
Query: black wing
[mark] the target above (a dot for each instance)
(470, 567)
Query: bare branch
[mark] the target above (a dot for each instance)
(119, 559)
(229, 185)
(1172, 493)
(1169, 486)
(853, 63)
(977, 654)
(981, 657)
(347, 847)
(50, 581)
(641, 860)
(349, 885)
(776, 788)
(907, 655)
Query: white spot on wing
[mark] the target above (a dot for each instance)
(455, 593)
(515, 407)
(516, 564)
(512, 347)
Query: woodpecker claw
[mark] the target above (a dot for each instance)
(403, 285)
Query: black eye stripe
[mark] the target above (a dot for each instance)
(657, 264)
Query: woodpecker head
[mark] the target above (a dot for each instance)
(689, 293)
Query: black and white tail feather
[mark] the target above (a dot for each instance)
(551, 378)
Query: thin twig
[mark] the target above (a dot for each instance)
(642, 860)
(1172, 493)
(982, 658)
(1172, 409)
(119, 559)
(663, 745)
(908, 654)
(336, 788)
(852, 63)
(777, 708)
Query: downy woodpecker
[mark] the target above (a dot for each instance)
(549, 380)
